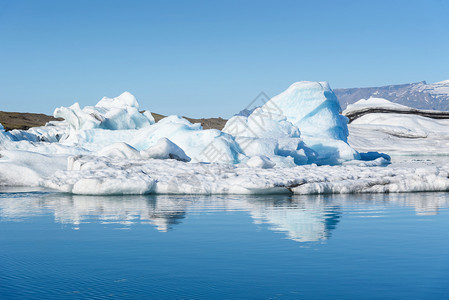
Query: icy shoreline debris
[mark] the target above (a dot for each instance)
(102, 175)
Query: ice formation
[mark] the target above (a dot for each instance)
(270, 136)
(296, 143)
(397, 129)
(308, 110)
(117, 113)
(165, 149)
(92, 174)
(199, 145)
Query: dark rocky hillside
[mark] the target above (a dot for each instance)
(16, 120)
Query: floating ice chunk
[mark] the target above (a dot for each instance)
(5, 138)
(377, 162)
(126, 99)
(174, 177)
(330, 151)
(100, 185)
(367, 156)
(75, 163)
(117, 113)
(97, 139)
(260, 161)
(164, 149)
(12, 174)
(120, 150)
(37, 140)
(41, 147)
(283, 161)
(102, 182)
(261, 124)
(268, 134)
(297, 149)
(258, 146)
(314, 109)
(100, 175)
(306, 109)
(52, 132)
(77, 118)
(200, 145)
(149, 116)
(25, 168)
(22, 135)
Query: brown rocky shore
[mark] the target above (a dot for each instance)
(24, 121)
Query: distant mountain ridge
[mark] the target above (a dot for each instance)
(420, 95)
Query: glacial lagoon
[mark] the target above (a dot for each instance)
(360, 246)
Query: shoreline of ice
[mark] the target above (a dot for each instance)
(90, 176)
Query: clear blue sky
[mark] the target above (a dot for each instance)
(211, 58)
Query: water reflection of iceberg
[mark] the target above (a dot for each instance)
(301, 218)
(304, 219)
(424, 204)
(75, 210)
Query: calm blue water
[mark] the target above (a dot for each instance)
(56, 246)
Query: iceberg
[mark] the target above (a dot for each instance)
(117, 113)
(314, 109)
(106, 123)
(309, 110)
(27, 168)
(260, 162)
(297, 143)
(199, 145)
(120, 151)
(270, 136)
(165, 149)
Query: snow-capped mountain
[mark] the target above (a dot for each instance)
(417, 95)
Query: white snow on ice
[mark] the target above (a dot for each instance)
(396, 133)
